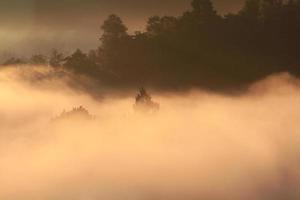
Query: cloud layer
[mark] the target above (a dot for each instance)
(199, 146)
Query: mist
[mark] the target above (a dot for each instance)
(200, 145)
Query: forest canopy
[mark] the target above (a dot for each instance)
(199, 48)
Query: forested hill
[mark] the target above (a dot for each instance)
(200, 48)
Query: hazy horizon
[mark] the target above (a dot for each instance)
(199, 145)
(38, 26)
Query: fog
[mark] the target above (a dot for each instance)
(200, 145)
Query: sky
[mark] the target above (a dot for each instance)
(31, 26)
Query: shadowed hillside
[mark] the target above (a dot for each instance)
(200, 48)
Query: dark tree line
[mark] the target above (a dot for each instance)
(200, 48)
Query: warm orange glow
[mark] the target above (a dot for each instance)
(198, 146)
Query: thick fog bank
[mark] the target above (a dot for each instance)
(198, 146)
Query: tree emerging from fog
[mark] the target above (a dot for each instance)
(76, 113)
(144, 103)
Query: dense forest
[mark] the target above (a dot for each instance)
(199, 48)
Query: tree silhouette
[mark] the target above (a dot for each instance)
(200, 48)
(14, 61)
(76, 113)
(251, 10)
(38, 59)
(79, 62)
(159, 25)
(144, 103)
(203, 7)
(113, 30)
(56, 58)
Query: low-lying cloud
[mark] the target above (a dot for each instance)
(198, 146)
